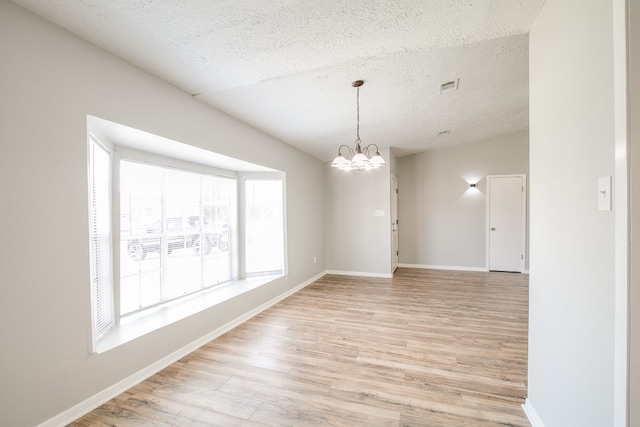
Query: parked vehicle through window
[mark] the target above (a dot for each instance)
(179, 233)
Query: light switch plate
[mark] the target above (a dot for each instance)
(604, 193)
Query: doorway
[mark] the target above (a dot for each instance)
(506, 222)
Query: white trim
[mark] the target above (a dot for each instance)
(395, 245)
(532, 414)
(360, 273)
(444, 267)
(109, 393)
(133, 155)
(622, 207)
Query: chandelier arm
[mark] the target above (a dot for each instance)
(368, 149)
(349, 154)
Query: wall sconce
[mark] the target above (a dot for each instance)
(472, 185)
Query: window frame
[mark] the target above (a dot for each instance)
(242, 209)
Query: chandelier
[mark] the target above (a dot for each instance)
(360, 157)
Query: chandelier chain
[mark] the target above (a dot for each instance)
(358, 113)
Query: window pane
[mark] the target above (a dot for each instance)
(140, 236)
(174, 233)
(263, 226)
(100, 238)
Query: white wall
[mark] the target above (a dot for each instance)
(572, 271)
(358, 241)
(442, 220)
(49, 81)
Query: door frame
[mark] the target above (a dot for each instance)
(626, 207)
(395, 259)
(524, 219)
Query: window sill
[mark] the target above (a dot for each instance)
(145, 321)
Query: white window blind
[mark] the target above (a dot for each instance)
(100, 238)
(174, 233)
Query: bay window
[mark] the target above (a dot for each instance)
(162, 229)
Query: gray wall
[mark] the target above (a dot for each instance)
(442, 220)
(359, 241)
(572, 272)
(50, 81)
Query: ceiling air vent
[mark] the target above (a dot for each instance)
(449, 86)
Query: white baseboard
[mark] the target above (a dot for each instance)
(444, 267)
(531, 414)
(360, 273)
(109, 393)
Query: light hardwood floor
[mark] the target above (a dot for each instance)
(426, 348)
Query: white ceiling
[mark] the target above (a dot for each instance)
(286, 66)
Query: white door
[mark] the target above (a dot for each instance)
(394, 223)
(506, 222)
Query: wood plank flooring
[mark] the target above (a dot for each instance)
(426, 348)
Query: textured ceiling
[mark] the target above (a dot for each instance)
(286, 66)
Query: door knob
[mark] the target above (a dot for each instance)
(493, 229)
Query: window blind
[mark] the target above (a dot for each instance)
(100, 238)
(174, 233)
